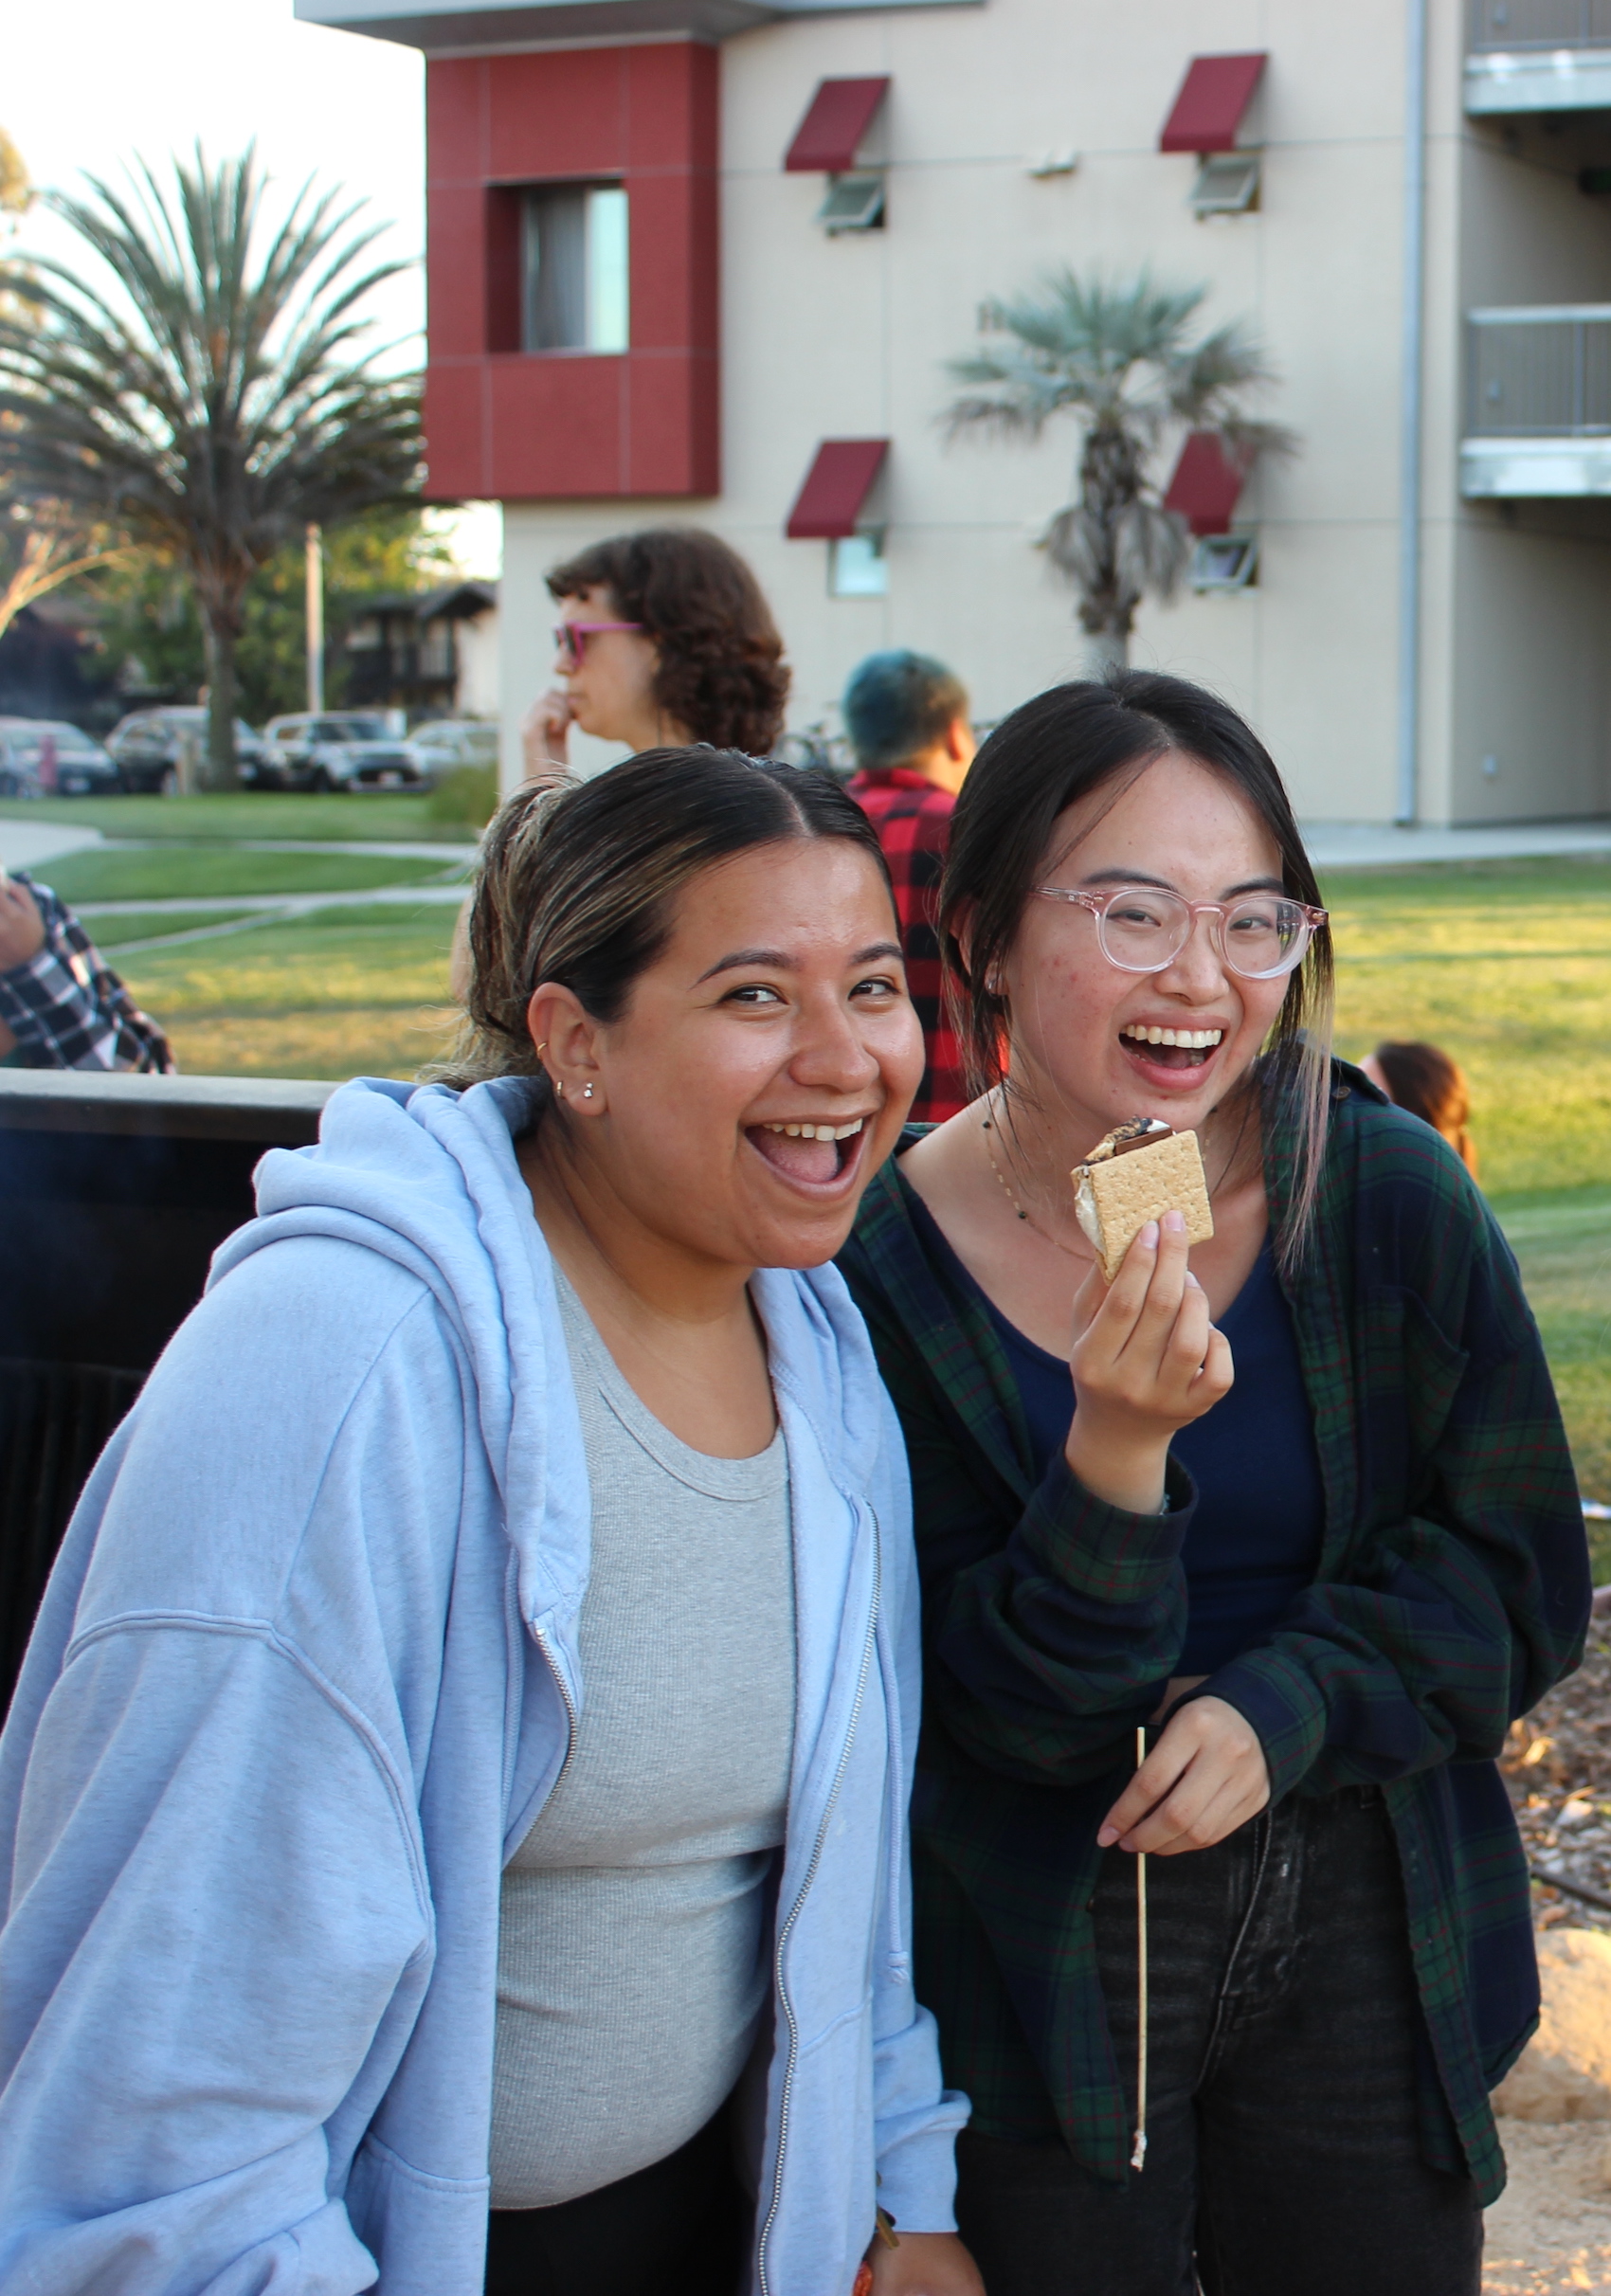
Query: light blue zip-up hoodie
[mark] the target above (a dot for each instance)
(303, 1676)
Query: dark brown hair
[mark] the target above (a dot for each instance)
(579, 881)
(721, 669)
(1059, 748)
(1424, 1079)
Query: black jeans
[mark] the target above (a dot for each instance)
(1282, 2156)
(680, 2227)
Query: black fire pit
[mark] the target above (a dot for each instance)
(114, 1192)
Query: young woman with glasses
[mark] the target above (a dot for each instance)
(662, 636)
(1295, 1506)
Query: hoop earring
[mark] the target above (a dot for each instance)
(558, 1090)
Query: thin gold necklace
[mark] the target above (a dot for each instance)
(1033, 1225)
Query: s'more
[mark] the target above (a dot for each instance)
(1119, 1187)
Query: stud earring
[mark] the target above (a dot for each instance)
(587, 1092)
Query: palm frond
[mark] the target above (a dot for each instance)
(204, 380)
(1122, 355)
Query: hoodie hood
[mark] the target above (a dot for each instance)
(429, 1178)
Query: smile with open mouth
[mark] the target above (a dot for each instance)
(814, 1153)
(1158, 1047)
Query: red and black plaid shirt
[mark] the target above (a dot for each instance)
(913, 820)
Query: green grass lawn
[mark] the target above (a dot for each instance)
(1564, 1244)
(1506, 965)
(148, 924)
(151, 872)
(348, 992)
(387, 816)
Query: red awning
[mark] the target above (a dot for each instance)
(838, 481)
(1206, 483)
(840, 114)
(1215, 93)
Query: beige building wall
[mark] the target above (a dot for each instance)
(1521, 668)
(849, 337)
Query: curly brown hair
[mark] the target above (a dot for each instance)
(721, 670)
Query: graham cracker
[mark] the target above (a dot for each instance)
(1114, 1200)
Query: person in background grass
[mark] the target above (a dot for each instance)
(61, 1003)
(662, 636)
(1297, 1507)
(1424, 1079)
(453, 1810)
(907, 719)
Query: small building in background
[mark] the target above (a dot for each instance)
(434, 653)
(706, 260)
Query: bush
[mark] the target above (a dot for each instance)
(468, 794)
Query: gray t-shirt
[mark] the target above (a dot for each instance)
(632, 1964)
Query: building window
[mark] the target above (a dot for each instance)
(1227, 184)
(1225, 562)
(854, 202)
(857, 565)
(436, 650)
(574, 268)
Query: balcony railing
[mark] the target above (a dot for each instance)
(1538, 402)
(1542, 371)
(1515, 24)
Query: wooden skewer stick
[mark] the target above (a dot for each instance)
(1138, 2157)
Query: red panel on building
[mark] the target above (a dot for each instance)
(533, 426)
(838, 481)
(1206, 483)
(1213, 99)
(839, 116)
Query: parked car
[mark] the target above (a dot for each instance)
(337, 749)
(149, 744)
(447, 743)
(46, 757)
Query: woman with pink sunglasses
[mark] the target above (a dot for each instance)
(663, 637)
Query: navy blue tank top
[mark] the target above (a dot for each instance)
(1255, 1540)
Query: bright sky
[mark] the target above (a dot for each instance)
(89, 84)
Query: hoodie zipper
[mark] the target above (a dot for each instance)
(782, 1935)
(540, 1638)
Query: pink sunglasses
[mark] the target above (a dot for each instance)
(571, 639)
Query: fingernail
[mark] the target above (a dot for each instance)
(1193, 1281)
(1106, 1836)
(1149, 1236)
(1175, 1223)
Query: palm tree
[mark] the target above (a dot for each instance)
(1120, 358)
(42, 546)
(209, 400)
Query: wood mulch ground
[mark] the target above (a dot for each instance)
(1550, 2231)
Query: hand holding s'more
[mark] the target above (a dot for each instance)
(1119, 1187)
(1148, 1360)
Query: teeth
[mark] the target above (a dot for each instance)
(1194, 1039)
(818, 1131)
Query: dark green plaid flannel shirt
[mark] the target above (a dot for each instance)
(1453, 1591)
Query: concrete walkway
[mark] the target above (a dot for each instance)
(32, 844)
(1366, 845)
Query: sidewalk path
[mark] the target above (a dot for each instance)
(1366, 845)
(32, 844)
(275, 904)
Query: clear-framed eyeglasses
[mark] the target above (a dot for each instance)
(1144, 928)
